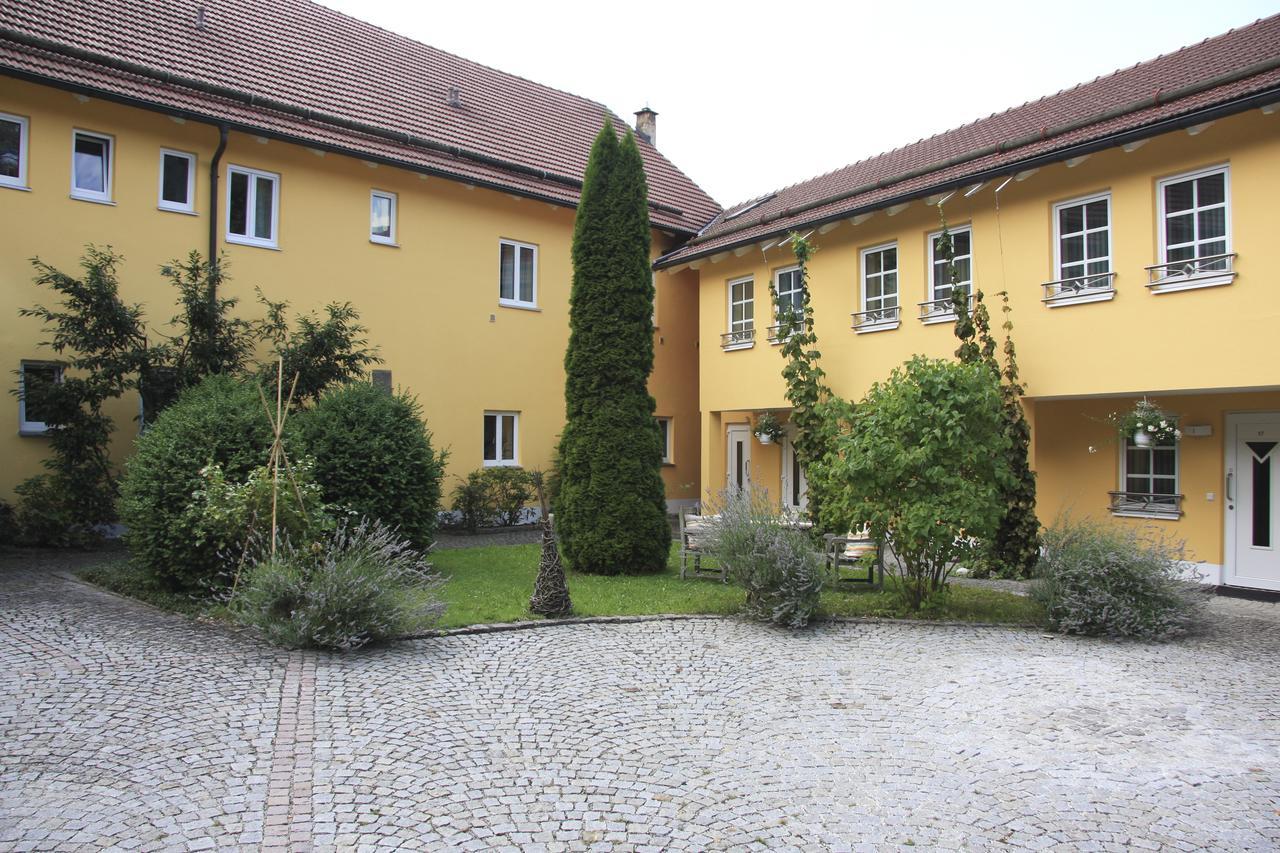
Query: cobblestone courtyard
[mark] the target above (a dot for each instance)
(121, 725)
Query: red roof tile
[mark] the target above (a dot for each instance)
(1217, 71)
(371, 91)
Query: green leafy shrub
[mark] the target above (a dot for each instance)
(776, 564)
(924, 467)
(46, 515)
(511, 490)
(232, 518)
(1109, 580)
(221, 421)
(473, 502)
(374, 457)
(8, 524)
(362, 584)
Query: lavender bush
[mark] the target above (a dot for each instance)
(362, 583)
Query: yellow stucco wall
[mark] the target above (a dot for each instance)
(431, 303)
(1140, 342)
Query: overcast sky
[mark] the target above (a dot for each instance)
(755, 96)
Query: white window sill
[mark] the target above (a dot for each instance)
(33, 431)
(1155, 516)
(938, 318)
(1082, 299)
(733, 347)
(19, 187)
(510, 463)
(93, 199)
(392, 243)
(257, 244)
(1173, 285)
(522, 306)
(868, 328)
(187, 211)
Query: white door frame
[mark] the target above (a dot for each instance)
(744, 432)
(1231, 492)
(788, 459)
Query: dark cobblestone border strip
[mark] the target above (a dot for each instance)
(499, 627)
(287, 821)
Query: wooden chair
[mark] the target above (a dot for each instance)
(849, 552)
(694, 532)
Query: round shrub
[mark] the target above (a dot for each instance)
(221, 420)
(1107, 580)
(373, 457)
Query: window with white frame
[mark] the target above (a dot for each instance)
(790, 290)
(517, 274)
(1149, 479)
(33, 376)
(1194, 223)
(91, 155)
(941, 282)
(177, 181)
(664, 431)
(253, 206)
(14, 140)
(879, 286)
(1083, 246)
(382, 217)
(742, 312)
(501, 438)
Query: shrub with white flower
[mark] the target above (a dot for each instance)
(1147, 417)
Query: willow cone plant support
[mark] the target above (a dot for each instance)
(550, 590)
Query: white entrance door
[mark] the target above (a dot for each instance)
(795, 486)
(739, 461)
(1253, 501)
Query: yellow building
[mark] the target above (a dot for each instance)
(327, 160)
(1129, 221)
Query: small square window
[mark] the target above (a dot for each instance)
(517, 274)
(177, 181)
(501, 438)
(13, 151)
(1148, 481)
(33, 377)
(253, 201)
(382, 217)
(664, 431)
(91, 155)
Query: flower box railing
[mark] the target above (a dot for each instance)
(940, 309)
(1191, 268)
(1145, 503)
(738, 338)
(876, 317)
(1065, 289)
(775, 331)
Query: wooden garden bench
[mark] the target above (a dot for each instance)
(849, 551)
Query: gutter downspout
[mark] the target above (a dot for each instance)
(214, 277)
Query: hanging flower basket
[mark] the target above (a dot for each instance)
(768, 429)
(1147, 424)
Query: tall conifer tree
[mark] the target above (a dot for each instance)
(611, 511)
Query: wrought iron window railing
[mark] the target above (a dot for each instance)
(1191, 268)
(795, 324)
(936, 309)
(738, 338)
(876, 317)
(1145, 503)
(1085, 285)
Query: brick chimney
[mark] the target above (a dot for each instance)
(647, 126)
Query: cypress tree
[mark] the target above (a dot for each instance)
(611, 510)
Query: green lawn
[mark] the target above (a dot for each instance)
(494, 584)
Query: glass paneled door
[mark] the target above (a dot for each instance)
(739, 457)
(1253, 501)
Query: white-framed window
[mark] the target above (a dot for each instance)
(177, 181)
(517, 274)
(14, 142)
(880, 309)
(742, 313)
(501, 438)
(1083, 245)
(32, 419)
(664, 430)
(1148, 480)
(940, 283)
(790, 291)
(1195, 230)
(382, 217)
(91, 160)
(253, 206)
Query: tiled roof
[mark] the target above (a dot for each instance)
(1217, 71)
(299, 70)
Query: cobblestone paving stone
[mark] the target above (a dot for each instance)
(122, 726)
